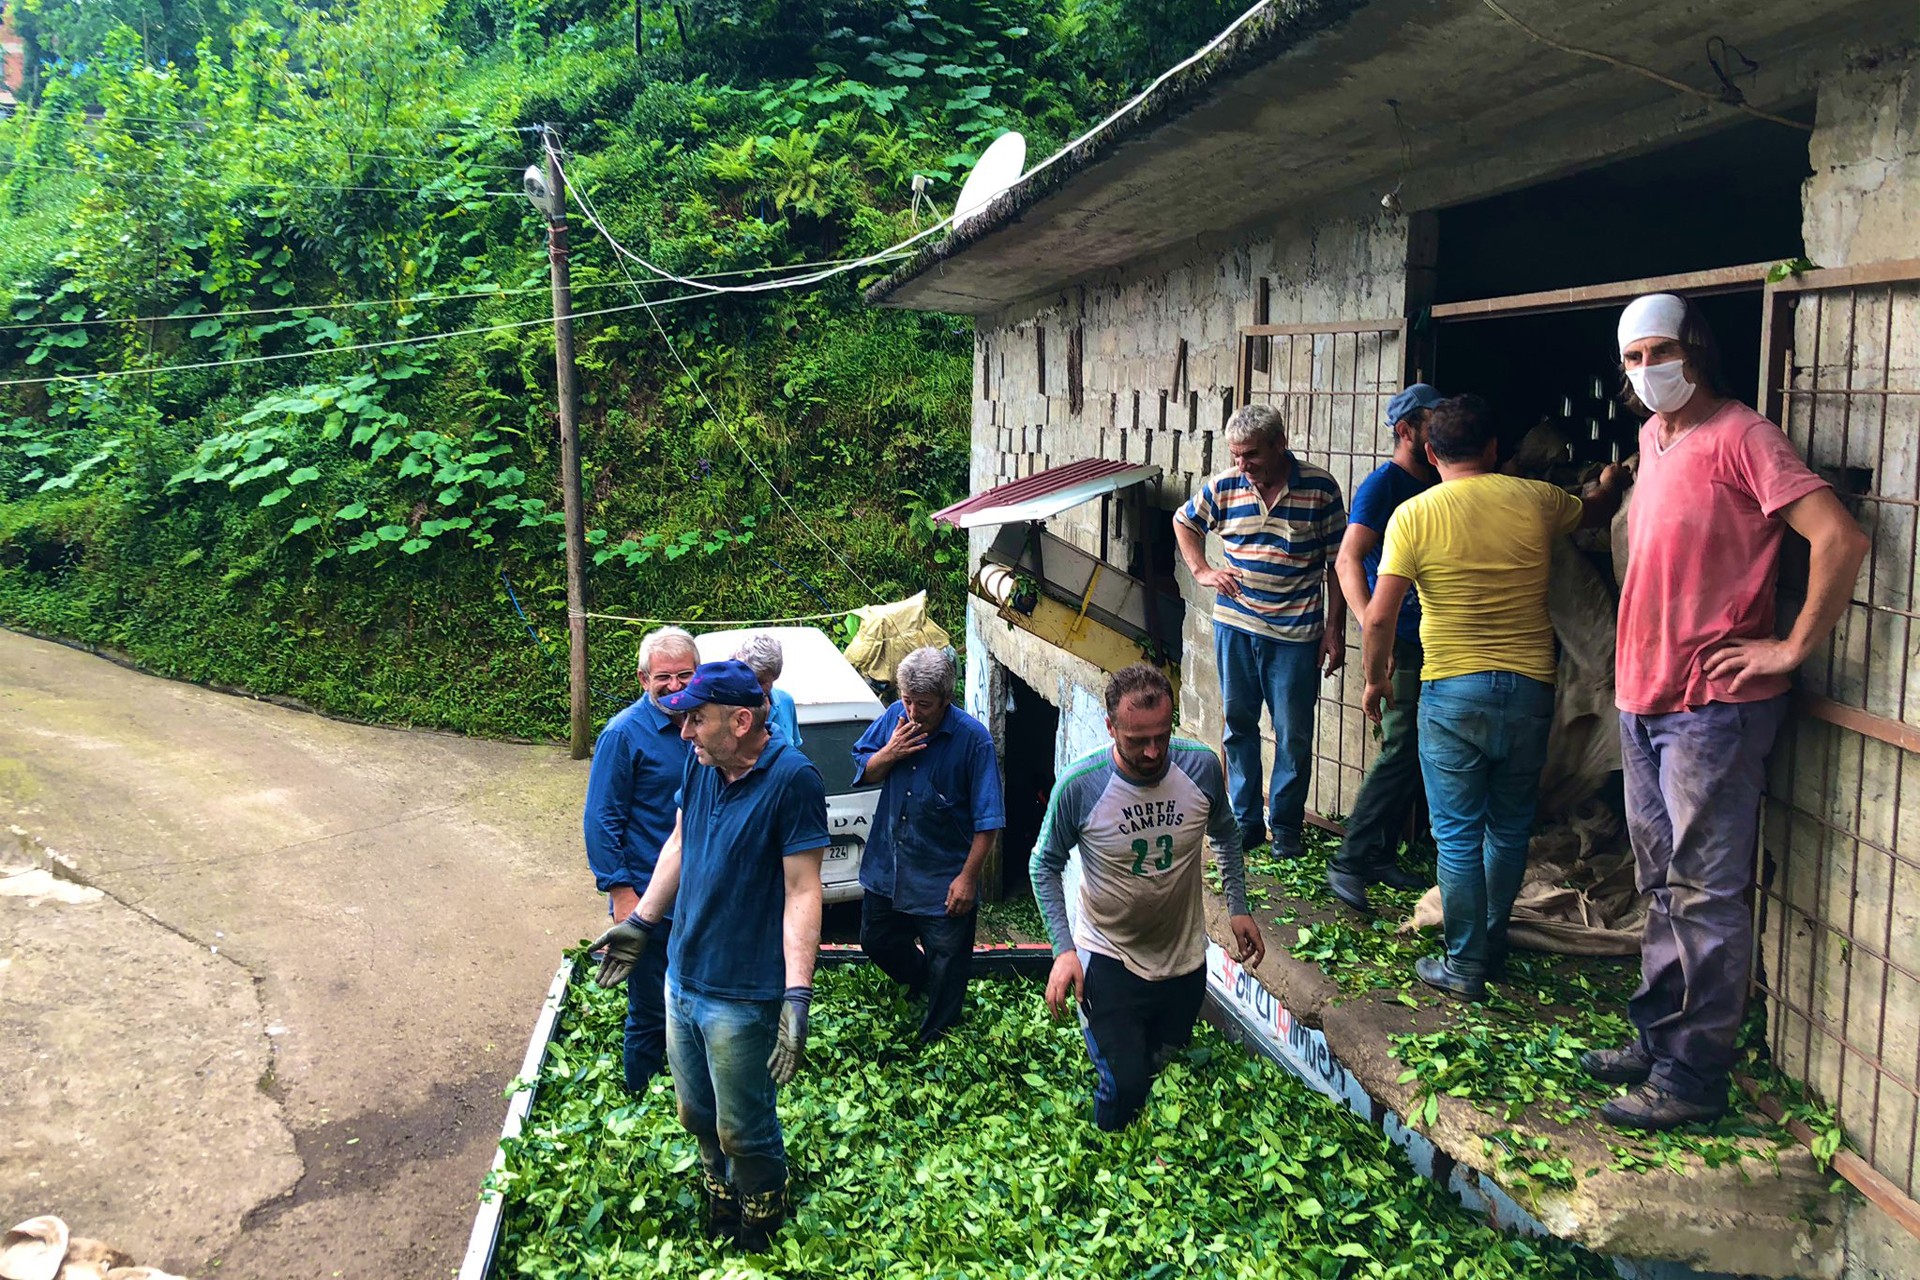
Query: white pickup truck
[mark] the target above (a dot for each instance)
(834, 705)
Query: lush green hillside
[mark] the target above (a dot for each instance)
(340, 524)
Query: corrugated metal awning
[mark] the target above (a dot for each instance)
(1045, 493)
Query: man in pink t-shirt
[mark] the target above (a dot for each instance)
(1701, 682)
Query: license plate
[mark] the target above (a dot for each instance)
(841, 850)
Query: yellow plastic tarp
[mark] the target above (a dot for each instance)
(889, 632)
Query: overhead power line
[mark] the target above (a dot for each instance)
(893, 250)
(667, 341)
(200, 181)
(412, 340)
(365, 303)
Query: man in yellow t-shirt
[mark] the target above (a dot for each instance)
(1477, 546)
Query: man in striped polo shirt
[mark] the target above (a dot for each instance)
(1279, 620)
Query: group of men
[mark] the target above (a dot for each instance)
(705, 828)
(706, 824)
(1446, 561)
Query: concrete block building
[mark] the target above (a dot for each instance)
(1346, 195)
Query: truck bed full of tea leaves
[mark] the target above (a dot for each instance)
(978, 1157)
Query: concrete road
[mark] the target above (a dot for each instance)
(277, 1044)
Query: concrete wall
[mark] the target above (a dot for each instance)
(1840, 940)
(1139, 401)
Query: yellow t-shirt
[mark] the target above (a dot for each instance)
(1477, 550)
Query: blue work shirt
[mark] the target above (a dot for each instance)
(931, 805)
(638, 762)
(1378, 496)
(782, 715)
(734, 840)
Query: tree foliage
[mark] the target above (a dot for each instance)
(302, 230)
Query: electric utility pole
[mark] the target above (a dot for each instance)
(581, 713)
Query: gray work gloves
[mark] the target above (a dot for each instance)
(792, 1044)
(625, 943)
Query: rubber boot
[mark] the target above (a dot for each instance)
(760, 1216)
(721, 1216)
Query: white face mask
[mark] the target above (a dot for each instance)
(1662, 387)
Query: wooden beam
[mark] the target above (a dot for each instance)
(1896, 271)
(1719, 280)
(1863, 1177)
(1893, 732)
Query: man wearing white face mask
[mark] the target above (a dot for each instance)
(1701, 682)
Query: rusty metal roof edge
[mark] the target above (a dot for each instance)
(1286, 25)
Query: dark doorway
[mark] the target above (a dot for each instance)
(1728, 199)
(1033, 726)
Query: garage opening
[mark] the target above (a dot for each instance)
(1033, 726)
(1530, 283)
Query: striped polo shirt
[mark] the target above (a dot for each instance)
(1281, 552)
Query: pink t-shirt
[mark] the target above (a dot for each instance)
(1703, 557)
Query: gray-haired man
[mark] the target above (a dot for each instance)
(1279, 620)
(940, 807)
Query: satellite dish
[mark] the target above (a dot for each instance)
(997, 169)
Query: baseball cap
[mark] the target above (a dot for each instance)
(730, 683)
(1420, 395)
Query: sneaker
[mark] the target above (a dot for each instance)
(1631, 1065)
(1350, 889)
(1437, 973)
(720, 1216)
(1652, 1108)
(760, 1217)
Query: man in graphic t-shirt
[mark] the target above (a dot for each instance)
(1134, 954)
(1701, 682)
(1369, 851)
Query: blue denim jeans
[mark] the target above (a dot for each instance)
(1483, 739)
(1283, 677)
(1694, 781)
(718, 1050)
(645, 1041)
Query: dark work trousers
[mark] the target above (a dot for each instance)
(1133, 1027)
(930, 955)
(645, 1044)
(1694, 781)
(1384, 806)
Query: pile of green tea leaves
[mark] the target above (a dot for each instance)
(978, 1157)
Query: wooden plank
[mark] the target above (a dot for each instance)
(1881, 729)
(1718, 280)
(1895, 271)
(1324, 326)
(1864, 1178)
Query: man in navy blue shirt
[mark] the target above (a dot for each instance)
(1368, 853)
(939, 809)
(741, 874)
(637, 765)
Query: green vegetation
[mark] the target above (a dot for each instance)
(1517, 1056)
(978, 1157)
(355, 526)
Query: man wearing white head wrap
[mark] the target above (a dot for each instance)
(1701, 682)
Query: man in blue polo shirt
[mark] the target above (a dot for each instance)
(940, 806)
(637, 765)
(1369, 852)
(741, 874)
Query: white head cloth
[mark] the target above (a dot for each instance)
(1651, 315)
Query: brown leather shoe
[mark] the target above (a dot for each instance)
(1652, 1108)
(1629, 1065)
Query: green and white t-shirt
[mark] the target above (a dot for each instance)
(1140, 859)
